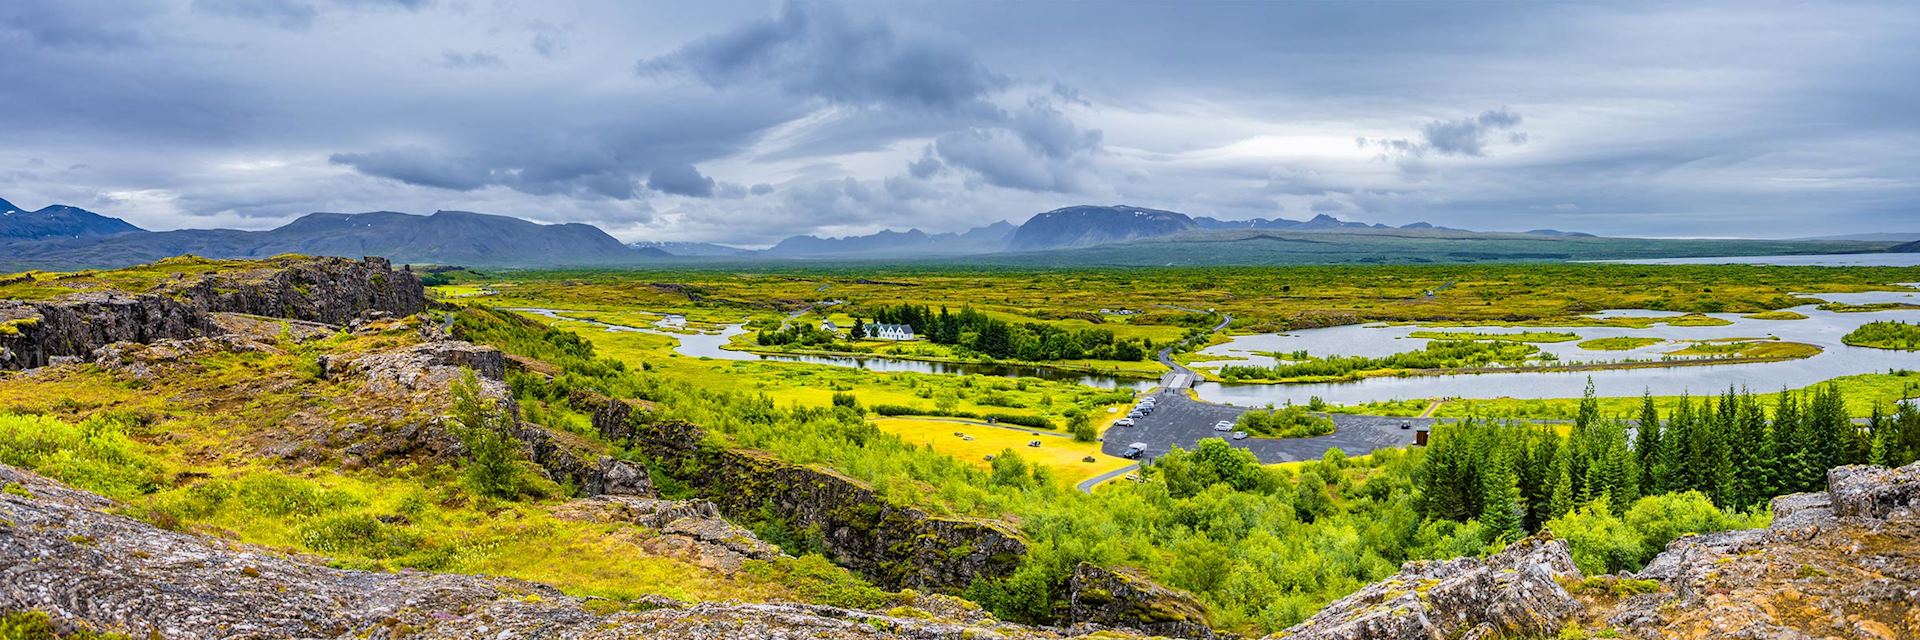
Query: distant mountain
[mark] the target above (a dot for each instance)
(1088, 225)
(889, 243)
(446, 237)
(1909, 247)
(1556, 233)
(57, 221)
(692, 249)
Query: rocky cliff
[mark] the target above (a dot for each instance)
(65, 553)
(894, 546)
(1844, 563)
(330, 290)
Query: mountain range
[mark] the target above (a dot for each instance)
(62, 237)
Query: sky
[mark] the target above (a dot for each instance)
(746, 122)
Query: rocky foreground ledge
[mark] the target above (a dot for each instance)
(1840, 564)
(64, 552)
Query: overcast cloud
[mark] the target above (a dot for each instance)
(746, 122)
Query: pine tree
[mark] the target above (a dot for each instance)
(1676, 445)
(1646, 446)
(1561, 495)
(1879, 451)
(1447, 476)
(1832, 433)
(1790, 445)
(1750, 449)
(1503, 509)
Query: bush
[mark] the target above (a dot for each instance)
(358, 534)
(494, 468)
(95, 454)
(1600, 543)
(1289, 422)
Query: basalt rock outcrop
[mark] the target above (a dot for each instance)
(326, 290)
(65, 553)
(329, 290)
(1843, 563)
(32, 334)
(1511, 594)
(692, 530)
(1124, 597)
(893, 545)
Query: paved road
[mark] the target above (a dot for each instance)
(1086, 486)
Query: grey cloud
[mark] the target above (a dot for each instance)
(1035, 149)
(79, 24)
(423, 167)
(1459, 137)
(550, 40)
(473, 60)
(416, 165)
(760, 189)
(815, 49)
(285, 14)
(293, 15)
(681, 179)
(1468, 136)
(926, 167)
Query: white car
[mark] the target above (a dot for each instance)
(1123, 422)
(1239, 435)
(1223, 425)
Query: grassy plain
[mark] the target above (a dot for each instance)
(1619, 344)
(1065, 457)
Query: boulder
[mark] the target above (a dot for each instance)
(1125, 597)
(1874, 492)
(1513, 593)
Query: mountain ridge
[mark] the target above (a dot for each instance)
(58, 221)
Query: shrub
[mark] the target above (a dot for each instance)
(95, 454)
(493, 465)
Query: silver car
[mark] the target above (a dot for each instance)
(1223, 425)
(1239, 435)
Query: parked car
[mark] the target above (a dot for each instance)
(1134, 450)
(1123, 422)
(1223, 425)
(1239, 435)
(1033, 443)
(1406, 424)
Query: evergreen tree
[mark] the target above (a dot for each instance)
(859, 329)
(1751, 449)
(1447, 478)
(1676, 446)
(1790, 445)
(1503, 511)
(1646, 446)
(1539, 477)
(1832, 433)
(1879, 451)
(1561, 496)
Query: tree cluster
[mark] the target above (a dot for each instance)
(980, 333)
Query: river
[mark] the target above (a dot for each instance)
(1821, 328)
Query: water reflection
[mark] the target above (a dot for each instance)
(712, 345)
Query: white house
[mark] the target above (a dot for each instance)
(890, 331)
(827, 326)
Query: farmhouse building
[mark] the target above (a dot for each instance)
(890, 331)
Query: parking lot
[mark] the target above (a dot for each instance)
(1183, 421)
